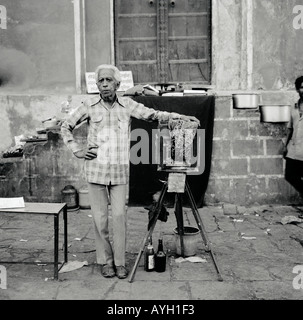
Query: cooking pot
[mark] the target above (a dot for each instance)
(70, 197)
(190, 241)
(246, 100)
(275, 113)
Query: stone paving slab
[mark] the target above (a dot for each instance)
(274, 290)
(149, 290)
(209, 290)
(256, 269)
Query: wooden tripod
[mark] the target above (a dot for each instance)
(180, 226)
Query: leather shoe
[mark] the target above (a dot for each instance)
(107, 271)
(121, 272)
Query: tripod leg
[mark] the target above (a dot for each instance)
(202, 229)
(150, 231)
(179, 218)
(197, 216)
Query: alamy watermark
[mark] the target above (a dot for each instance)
(298, 280)
(157, 148)
(3, 278)
(298, 20)
(3, 17)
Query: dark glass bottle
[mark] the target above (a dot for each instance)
(160, 258)
(149, 258)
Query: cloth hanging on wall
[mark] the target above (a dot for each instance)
(145, 178)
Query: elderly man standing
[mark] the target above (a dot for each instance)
(107, 161)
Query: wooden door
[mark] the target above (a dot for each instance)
(164, 41)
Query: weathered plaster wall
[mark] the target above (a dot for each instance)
(37, 48)
(278, 47)
(43, 171)
(22, 114)
(98, 32)
(226, 44)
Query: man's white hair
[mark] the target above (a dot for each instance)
(116, 71)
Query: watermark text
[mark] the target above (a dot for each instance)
(298, 280)
(298, 20)
(3, 278)
(3, 17)
(157, 148)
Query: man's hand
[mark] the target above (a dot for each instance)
(190, 118)
(87, 153)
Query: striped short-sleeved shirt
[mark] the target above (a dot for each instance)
(109, 132)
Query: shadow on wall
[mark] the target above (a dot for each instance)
(16, 69)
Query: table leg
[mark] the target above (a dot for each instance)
(65, 234)
(56, 245)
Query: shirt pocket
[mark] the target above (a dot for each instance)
(97, 124)
(97, 121)
(123, 122)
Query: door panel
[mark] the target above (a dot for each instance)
(188, 25)
(163, 43)
(186, 6)
(136, 39)
(190, 49)
(137, 27)
(189, 73)
(188, 41)
(142, 73)
(138, 50)
(134, 7)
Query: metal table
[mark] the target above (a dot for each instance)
(53, 209)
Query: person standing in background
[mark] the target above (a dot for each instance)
(293, 152)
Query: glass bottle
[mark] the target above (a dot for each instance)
(160, 258)
(149, 261)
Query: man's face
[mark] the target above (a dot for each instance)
(107, 84)
(300, 91)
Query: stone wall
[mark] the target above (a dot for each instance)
(247, 163)
(43, 171)
(24, 113)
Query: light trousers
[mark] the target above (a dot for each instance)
(107, 252)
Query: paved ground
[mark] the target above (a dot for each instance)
(255, 252)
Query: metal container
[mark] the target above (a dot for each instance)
(190, 241)
(275, 113)
(70, 197)
(246, 100)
